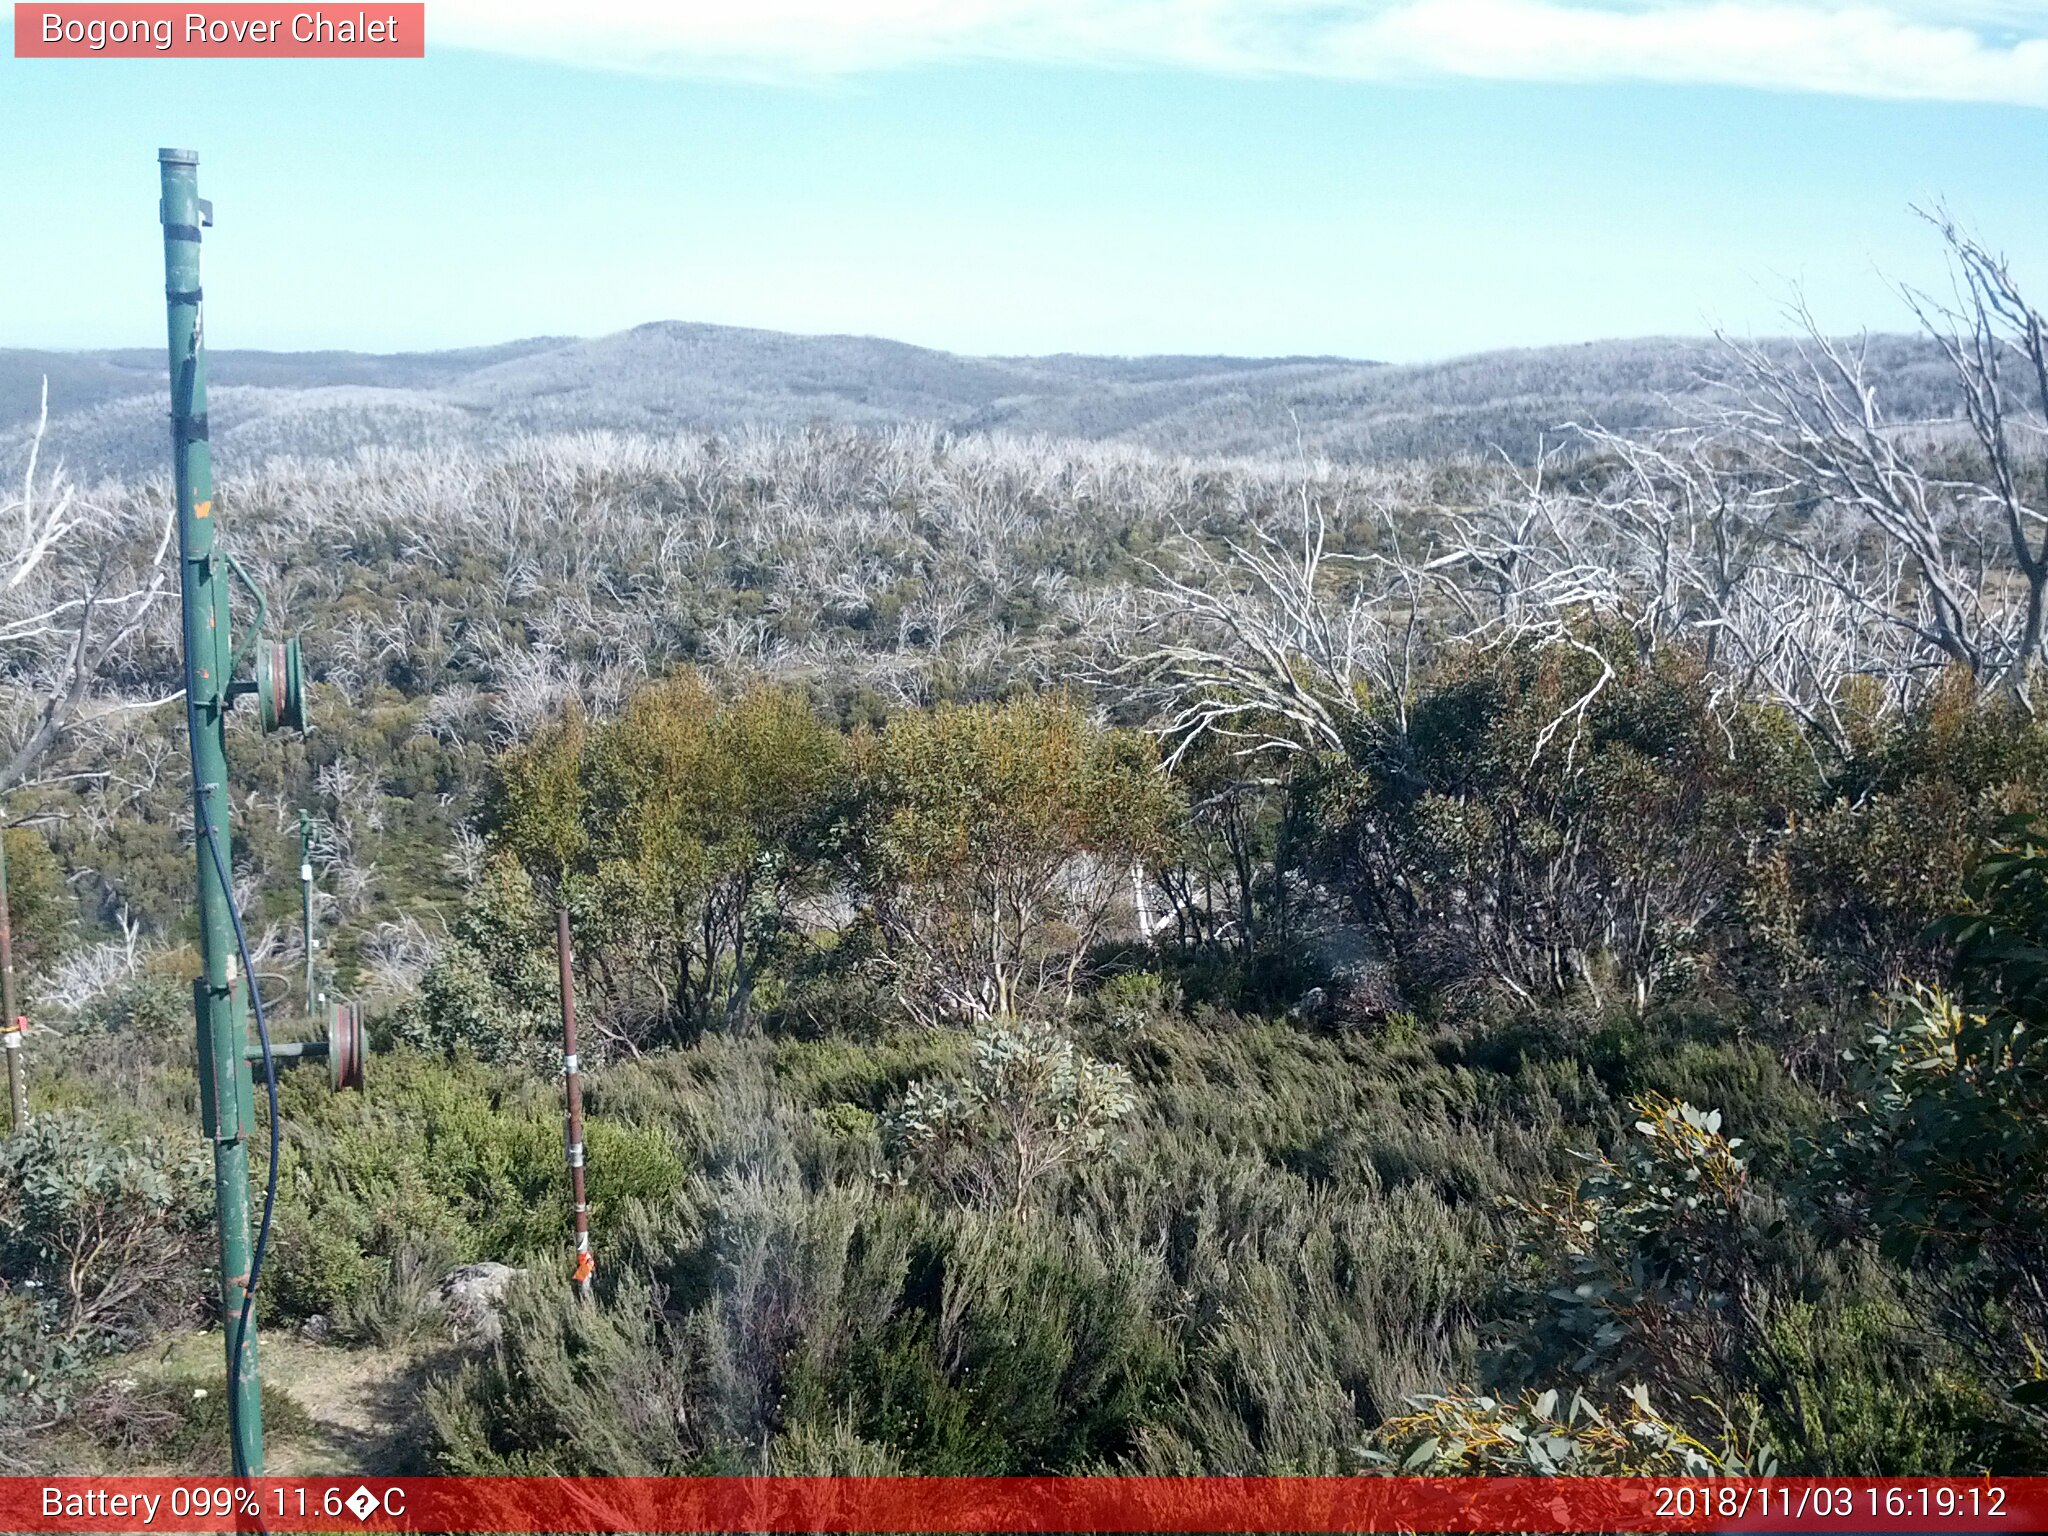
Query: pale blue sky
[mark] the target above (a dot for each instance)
(1092, 197)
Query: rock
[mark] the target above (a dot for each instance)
(1313, 1005)
(472, 1297)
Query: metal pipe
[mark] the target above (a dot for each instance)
(17, 1082)
(292, 1050)
(226, 1101)
(306, 904)
(572, 1078)
(13, 1027)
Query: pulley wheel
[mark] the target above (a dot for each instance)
(346, 1052)
(280, 685)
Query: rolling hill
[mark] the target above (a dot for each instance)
(107, 407)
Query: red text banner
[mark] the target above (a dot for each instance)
(1054, 1504)
(240, 31)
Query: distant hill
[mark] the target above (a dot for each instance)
(108, 407)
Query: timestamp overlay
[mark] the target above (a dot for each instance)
(1063, 1504)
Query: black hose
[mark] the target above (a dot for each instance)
(270, 1184)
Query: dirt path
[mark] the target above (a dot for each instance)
(365, 1405)
(358, 1410)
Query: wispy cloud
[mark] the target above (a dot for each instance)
(1957, 50)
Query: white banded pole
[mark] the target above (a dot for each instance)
(572, 1080)
(11, 1036)
(13, 1027)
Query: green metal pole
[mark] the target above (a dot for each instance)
(225, 1089)
(306, 903)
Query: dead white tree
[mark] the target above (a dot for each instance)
(1989, 333)
(80, 579)
(1963, 547)
(1272, 644)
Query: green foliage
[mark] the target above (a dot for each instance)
(1665, 842)
(1228, 868)
(708, 822)
(1127, 1003)
(1647, 1259)
(106, 1223)
(1008, 1354)
(681, 834)
(1500, 833)
(1949, 1132)
(131, 1049)
(1918, 806)
(1545, 1434)
(493, 990)
(1854, 1385)
(1942, 1154)
(533, 803)
(1194, 1302)
(449, 1162)
(42, 911)
(1262, 1218)
(994, 842)
(317, 1267)
(106, 1236)
(1165, 1209)
(1029, 1106)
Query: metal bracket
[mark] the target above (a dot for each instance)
(248, 646)
(163, 212)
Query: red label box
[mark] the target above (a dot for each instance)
(373, 30)
(165, 1506)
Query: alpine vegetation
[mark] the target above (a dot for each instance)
(1095, 952)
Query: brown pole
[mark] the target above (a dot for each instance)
(572, 1078)
(13, 1027)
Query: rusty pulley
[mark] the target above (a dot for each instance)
(280, 685)
(346, 1050)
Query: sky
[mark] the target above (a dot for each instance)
(1398, 179)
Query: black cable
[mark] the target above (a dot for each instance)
(270, 1184)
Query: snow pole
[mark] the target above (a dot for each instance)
(572, 1081)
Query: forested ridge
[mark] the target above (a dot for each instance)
(1090, 960)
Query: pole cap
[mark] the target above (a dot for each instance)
(178, 156)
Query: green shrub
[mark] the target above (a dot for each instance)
(42, 910)
(991, 846)
(1187, 1305)
(1641, 1265)
(1477, 843)
(458, 1160)
(1010, 1351)
(1028, 1107)
(1132, 1001)
(104, 1241)
(111, 1229)
(493, 991)
(316, 1267)
(1854, 1386)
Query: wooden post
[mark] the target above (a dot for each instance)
(572, 1079)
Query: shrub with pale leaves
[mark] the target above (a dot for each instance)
(1029, 1105)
